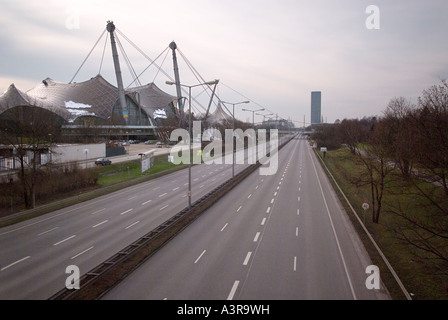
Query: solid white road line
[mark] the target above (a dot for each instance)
(333, 228)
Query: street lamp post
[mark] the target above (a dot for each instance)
(50, 150)
(264, 115)
(189, 129)
(233, 128)
(253, 115)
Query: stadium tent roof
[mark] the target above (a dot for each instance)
(152, 99)
(219, 116)
(94, 97)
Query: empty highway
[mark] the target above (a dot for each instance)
(284, 236)
(34, 254)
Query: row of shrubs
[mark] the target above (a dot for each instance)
(49, 184)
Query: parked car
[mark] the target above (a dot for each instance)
(159, 144)
(103, 162)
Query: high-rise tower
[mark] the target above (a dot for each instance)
(316, 99)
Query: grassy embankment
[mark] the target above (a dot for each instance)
(421, 277)
(120, 172)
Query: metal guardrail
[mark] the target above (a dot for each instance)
(380, 252)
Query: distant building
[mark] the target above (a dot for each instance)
(279, 124)
(316, 113)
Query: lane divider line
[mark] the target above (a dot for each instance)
(16, 262)
(200, 256)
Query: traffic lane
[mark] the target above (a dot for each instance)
(54, 224)
(306, 263)
(195, 264)
(356, 257)
(68, 235)
(269, 275)
(90, 239)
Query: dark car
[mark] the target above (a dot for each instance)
(103, 162)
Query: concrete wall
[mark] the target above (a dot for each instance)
(79, 152)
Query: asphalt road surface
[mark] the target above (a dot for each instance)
(34, 254)
(284, 236)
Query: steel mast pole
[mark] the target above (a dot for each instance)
(173, 48)
(111, 28)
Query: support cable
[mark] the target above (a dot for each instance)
(82, 64)
(128, 62)
(102, 57)
(144, 54)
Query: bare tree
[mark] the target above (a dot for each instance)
(29, 131)
(377, 168)
(431, 121)
(424, 141)
(400, 147)
(352, 133)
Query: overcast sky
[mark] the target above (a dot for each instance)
(273, 53)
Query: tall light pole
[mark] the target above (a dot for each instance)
(264, 115)
(189, 129)
(233, 128)
(253, 115)
(50, 150)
